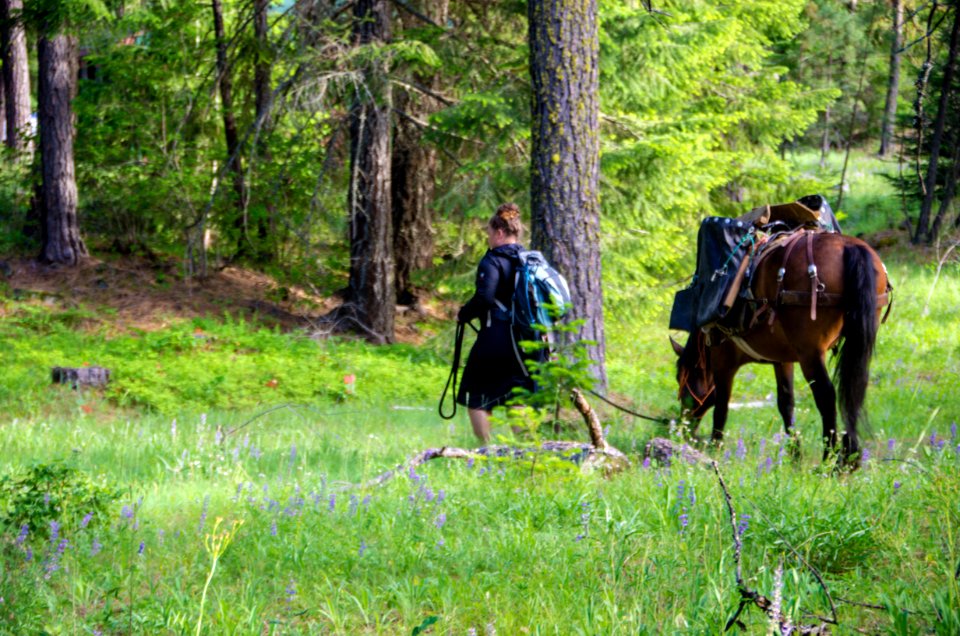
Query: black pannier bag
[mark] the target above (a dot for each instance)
(722, 244)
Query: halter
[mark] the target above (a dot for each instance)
(685, 376)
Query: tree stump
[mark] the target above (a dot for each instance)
(83, 376)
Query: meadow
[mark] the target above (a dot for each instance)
(217, 487)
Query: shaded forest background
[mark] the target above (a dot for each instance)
(232, 131)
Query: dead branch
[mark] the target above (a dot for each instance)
(748, 595)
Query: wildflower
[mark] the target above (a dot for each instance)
(865, 456)
(273, 528)
(95, 547)
(693, 496)
(681, 488)
(333, 502)
(646, 462)
(763, 445)
(769, 464)
(953, 431)
(741, 449)
(470, 462)
(291, 591)
(428, 494)
(126, 512)
(141, 548)
(86, 520)
(54, 532)
(414, 477)
(46, 499)
(366, 501)
(218, 436)
(890, 444)
(441, 543)
(743, 525)
(726, 456)
(28, 555)
(255, 452)
(684, 519)
(896, 486)
(203, 514)
(363, 548)
(293, 454)
(24, 531)
(441, 519)
(483, 471)
(441, 495)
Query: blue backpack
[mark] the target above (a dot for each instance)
(541, 295)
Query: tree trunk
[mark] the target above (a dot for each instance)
(565, 152)
(263, 96)
(414, 170)
(950, 188)
(893, 86)
(923, 233)
(57, 66)
(234, 164)
(371, 287)
(16, 76)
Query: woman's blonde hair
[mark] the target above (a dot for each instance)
(507, 218)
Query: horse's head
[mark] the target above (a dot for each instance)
(697, 392)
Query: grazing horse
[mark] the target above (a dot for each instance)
(810, 292)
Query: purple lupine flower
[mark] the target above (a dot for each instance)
(470, 462)
(726, 456)
(890, 444)
(353, 505)
(953, 431)
(28, 554)
(333, 502)
(24, 531)
(86, 520)
(483, 471)
(646, 462)
(203, 514)
(428, 494)
(255, 452)
(46, 499)
(441, 543)
(441, 495)
(741, 449)
(291, 591)
(865, 455)
(293, 453)
(218, 437)
(743, 525)
(363, 548)
(142, 547)
(412, 474)
(126, 512)
(366, 502)
(684, 519)
(693, 496)
(440, 520)
(273, 528)
(160, 535)
(763, 445)
(896, 486)
(769, 464)
(95, 547)
(681, 488)
(54, 531)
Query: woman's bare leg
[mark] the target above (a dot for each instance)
(480, 420)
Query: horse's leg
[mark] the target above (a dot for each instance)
(785, 403)
(724, 387)
(815, 371)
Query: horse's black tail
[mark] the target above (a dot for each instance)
(857, 338)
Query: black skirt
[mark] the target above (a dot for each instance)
(493, 369)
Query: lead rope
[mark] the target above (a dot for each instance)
(454, 370)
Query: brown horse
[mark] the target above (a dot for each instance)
(811, 292)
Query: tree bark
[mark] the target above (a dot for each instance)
(263, 97)
(893, 85)
(234, 163)
(565, 156)
(16, 76)
(414, 170)
(371, 288)
(923, 233)
(950, 188)
(57, 66)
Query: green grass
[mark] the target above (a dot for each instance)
(186, 435)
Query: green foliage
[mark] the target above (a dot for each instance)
(45, 493)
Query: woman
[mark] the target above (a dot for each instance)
(493, 367)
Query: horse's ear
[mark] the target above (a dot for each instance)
(676, 346)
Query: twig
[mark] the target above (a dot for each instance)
(751, 596)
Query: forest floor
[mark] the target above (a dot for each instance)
(135, 293)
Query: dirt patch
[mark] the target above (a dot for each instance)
(142, 294)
